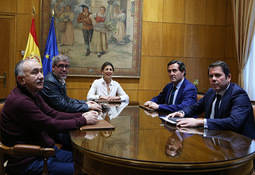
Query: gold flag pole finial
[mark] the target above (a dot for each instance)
(53, 12)
(33, 11)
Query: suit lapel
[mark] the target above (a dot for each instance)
(209, 104)
(168, 93)
(180, 92)
(225, 100)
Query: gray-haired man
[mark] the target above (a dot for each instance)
(54, 90)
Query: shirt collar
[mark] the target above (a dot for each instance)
(223, 91)
(62, 81)
(104, 82)
(179, 84)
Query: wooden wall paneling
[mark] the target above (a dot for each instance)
(77, 82)
(145, 95)
(195, 41)
(23, 28)
(8, 6)
(195, 11)
(7, 50)
(229, 18)
(214, 41)
(77, 93)
(216, 11)
(173, 11)
(232, 63)
(204, 41)
(131, 87)
(12, 51)
(133, 95)
(25, 6)
(173, 40)
(230, 42)
(197, 68)
(5, 54)
(5, 39)
(152, 39)
(154, 73)
(78, 87)
(152, 10)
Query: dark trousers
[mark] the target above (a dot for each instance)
(65, 140)
(60, 164)
(87, 35)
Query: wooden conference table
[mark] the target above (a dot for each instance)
(142, 144)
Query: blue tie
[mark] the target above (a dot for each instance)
(171, 97)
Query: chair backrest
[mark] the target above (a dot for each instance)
(24, 150)
(199, 96)
(1, 107)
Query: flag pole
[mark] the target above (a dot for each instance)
(33, 11)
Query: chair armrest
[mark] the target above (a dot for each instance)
(33, 150)
(27, 150)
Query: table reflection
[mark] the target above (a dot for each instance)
(112, 110)
(144, 138)
(174, 144)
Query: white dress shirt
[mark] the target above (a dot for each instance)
(177, 90)
(99, 88)
(213, 106)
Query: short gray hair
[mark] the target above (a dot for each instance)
(59, 58)
(19, 68)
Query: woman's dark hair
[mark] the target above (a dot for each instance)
(107, 64)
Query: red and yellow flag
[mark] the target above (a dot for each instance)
(32, 49)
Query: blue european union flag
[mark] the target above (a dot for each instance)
(51, 49)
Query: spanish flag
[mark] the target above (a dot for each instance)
(32, 49)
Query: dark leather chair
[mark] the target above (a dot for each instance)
(24, 150)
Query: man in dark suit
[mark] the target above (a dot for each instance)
(226, 105)
(177, 94)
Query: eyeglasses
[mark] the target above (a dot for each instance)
(63, 66)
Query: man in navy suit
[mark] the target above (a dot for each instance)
(233, 111)
(177, 94)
